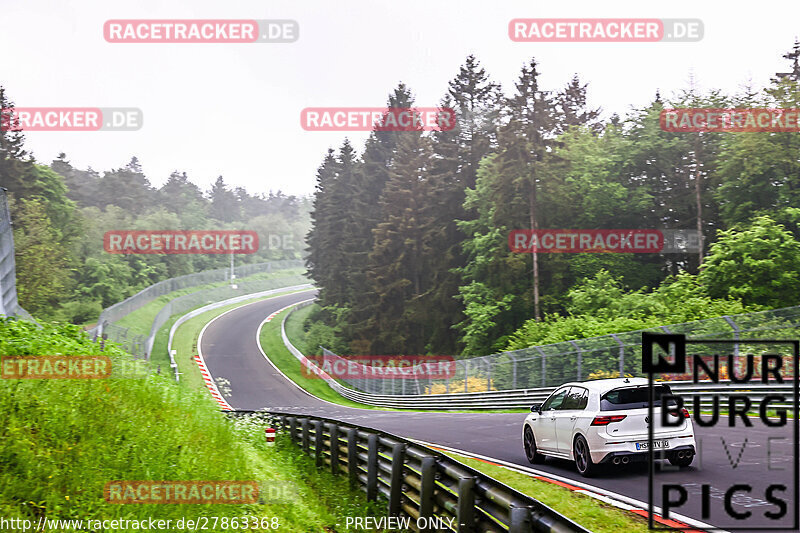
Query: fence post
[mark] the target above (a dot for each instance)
(580, 358)
(334, 448)
(544, 368)
(293, 429)
(396, 482)
(465, 515)
(621, 355)
(735, 328)
(372, 467)
(352, 455)
(466, 374)
(513, 369)
(427, 480)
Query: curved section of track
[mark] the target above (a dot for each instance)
(230, 348)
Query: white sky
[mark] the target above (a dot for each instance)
(233, 109)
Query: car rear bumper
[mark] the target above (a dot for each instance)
(635, 457)
(608, 450)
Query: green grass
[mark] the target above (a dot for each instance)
(141, 320)
(272, 344)
(589, 512)
(62, 440)
(294, 327)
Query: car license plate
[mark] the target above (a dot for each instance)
(657, 444)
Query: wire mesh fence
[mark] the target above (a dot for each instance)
(9, 305)
(141, 345)
(554, 364)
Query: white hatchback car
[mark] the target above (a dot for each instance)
(606, 421)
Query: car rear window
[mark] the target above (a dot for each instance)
(631, 398)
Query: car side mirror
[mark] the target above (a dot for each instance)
(536, 408)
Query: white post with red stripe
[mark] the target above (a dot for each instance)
(270, 434)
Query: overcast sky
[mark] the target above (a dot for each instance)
(233, 109)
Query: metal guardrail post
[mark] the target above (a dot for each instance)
(396, 480)
(319, 440)
(352, 455)
(427, 484)
(465, 515)
(304, 425)
(519, 519)
(334, 448)
(293, 429)
(372, 467)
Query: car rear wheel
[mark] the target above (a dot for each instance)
(534, 457)
(583, 459)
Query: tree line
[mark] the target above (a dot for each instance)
(60, 214)
(409, 247)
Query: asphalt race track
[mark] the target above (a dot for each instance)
(758, 456)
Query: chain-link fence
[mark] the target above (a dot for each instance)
(554, 364)
(141, 345)
(8, 275)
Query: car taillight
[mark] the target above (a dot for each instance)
(685, 412)
(606, 420)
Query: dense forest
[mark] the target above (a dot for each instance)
(60, 214)
(409, 238)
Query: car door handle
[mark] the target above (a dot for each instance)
(573, 418)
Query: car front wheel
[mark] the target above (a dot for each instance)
(534, 457)
(583, 459)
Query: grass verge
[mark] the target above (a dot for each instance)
(592, 514)
(63, 440)
(273, 346)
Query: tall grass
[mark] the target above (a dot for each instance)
(62, 440)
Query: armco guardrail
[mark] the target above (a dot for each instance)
(434, 491)
(521, 398)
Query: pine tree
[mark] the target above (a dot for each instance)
(398, 264)
(224, 204)
(526, 143)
